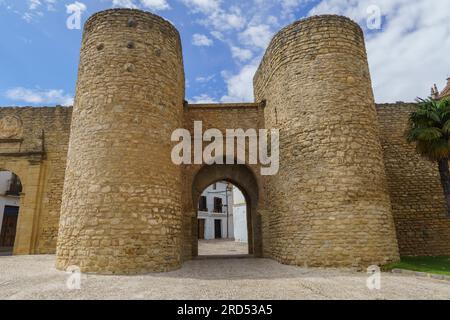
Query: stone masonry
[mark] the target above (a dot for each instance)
(350, 192)
(121, 209)
(37, 153)
(330, 197)
(418, 206)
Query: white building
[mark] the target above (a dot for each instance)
(239, 216)
(10, 189)
(222, 213)
(215, 212)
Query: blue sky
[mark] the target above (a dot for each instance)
(223, 42)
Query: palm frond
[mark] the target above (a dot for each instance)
(429, 128)
(446, 127)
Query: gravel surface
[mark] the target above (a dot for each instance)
(34, 277)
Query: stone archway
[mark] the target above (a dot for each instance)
(243, 178)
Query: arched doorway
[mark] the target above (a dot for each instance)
(10, 191)
(222, 221)
(243, 178)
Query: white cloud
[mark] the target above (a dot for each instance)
(28, 17)
(34, 4)
(39, 96)
(34, 9)
(204, 6)
(218, 35)
(240, 85)
(155, 4)
(76, 7)
(204, 79)
(289, 6)
(203, 98)
(124, 4)
(241, 54)
(216, 16)
(410, 53)
(234, 19)
(257, 36)
(201, 40)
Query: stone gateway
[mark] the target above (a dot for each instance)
(100, 189)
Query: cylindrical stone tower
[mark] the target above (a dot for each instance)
(328, 205)
(121, 208)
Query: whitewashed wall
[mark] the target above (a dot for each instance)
(210, 216)
(239, 216)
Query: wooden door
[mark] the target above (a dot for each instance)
(201, 229)
(9, 226)
(218, 229)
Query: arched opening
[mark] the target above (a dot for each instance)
(10, 191)
(222, 221)
(233, 180)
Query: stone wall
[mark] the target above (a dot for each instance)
(33, 144)
(121, 209)
(423, 227)
(329, 204)
(417, 202)
(127, 209)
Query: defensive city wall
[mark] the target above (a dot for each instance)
(350, 191)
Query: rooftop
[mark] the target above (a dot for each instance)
(445, 93)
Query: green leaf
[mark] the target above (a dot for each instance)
(429, 134)
(446, 127)
(429, 128)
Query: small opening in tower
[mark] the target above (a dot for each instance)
(131, 23)
(130, 45)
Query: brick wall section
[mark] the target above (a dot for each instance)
(42, 192)
(423, 228)
(121, 210)
(329, 204)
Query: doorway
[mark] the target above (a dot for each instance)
(240, 220)
(201, 229)
(222, 225)
(218, 229)
(9, 226)
(10, 191)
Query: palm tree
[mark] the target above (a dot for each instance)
(429, 129)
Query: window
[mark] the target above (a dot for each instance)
(218, 206)
(214, 186)
(15, 187)
(202, 206)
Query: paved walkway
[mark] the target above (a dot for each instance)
(221, 247)
(34, 277)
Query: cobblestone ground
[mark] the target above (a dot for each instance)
(35, 277)
(221, 247)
